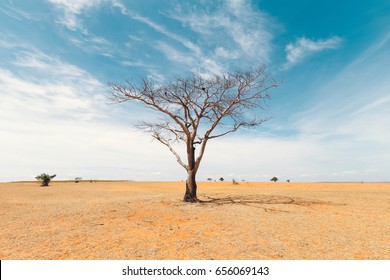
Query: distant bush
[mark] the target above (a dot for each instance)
(77, 179)
(221, 179)
(234, 182)
(45, 179)
(274, 179)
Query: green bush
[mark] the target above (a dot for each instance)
(274, 179)
(45, 179)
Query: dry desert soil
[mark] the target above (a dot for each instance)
(148, 220)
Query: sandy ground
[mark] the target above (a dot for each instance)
(128, 220)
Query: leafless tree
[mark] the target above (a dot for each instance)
(197, 109)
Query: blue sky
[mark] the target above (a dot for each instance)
(331, 113)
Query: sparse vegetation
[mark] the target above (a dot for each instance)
(45, 179)
(274, 179)
(77, 179)
(221, 179)
(130, 211)
(234, 182)
(209, 179)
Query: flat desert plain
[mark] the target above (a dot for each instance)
(148, 220)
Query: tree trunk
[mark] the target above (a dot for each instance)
(190, 194)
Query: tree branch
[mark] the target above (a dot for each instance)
(199, 108)
(166, 143)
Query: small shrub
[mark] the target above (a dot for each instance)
(221, 179)
(45, 179)
(77, 179)
(235, 182)
(274, 179)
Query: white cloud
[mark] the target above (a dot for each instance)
(89, 149)
(72, 9)
(231, 31)
(73, 6)
(55, 119)
(224, 53)
(17, 13)
(192, 56)
(349, 117)
(303, 47)
(237, 24)
(90, 43)
(159, 28)
(41, 86)
(53, 69)
(174, 55)
(32, 100)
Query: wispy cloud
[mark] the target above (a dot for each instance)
(231, 34)
(55, 118)
(304, 47)
(157, 27)
(38, 84)
(242, 28)
(226, 54)
(174, 55)
(178, 49)
(92, 44)
(71, 11)
(16, 13)
(349, 117)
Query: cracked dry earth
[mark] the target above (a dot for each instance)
(147, 220)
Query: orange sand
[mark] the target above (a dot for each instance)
(140, 220)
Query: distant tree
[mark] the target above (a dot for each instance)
(274, 179)
(288, 181)
(234, 182)
(45, 179)
(77, 179)
(221, 179)
(209, 179)
(197, 109)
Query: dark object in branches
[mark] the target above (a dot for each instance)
(197, 109)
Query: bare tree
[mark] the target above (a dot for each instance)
(197, 109)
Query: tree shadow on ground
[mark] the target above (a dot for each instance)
(261, 201)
